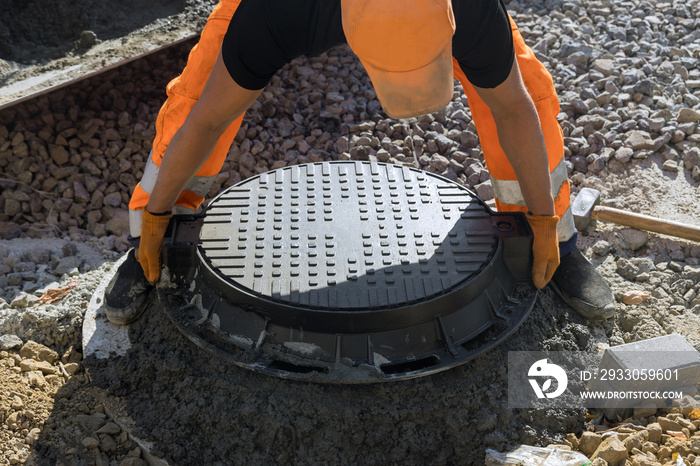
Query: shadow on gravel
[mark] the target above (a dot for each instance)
(45, 29)
(196, 409)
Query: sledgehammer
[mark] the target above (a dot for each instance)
(585, 208)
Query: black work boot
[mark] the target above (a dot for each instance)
(127, 292)
(583, 288)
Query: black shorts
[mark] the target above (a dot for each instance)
(483, 41)
(265, 35)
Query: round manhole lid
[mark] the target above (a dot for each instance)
(310, 271)
(347, 235)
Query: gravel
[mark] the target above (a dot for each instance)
(646, 440)
(628, 77)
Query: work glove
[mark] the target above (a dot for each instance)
(545, 247)
(152, 233)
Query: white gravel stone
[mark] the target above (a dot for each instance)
(10, 342)
(637, 140)
(688, 115)
(485, 190)
(23, 300)
(670, 166)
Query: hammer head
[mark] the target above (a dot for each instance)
(583, 205)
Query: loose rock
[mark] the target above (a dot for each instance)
(10, 342)
(611, 450)
(39, 352)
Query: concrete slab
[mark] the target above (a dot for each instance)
(101, 338)
(622, 369)
(667, 353)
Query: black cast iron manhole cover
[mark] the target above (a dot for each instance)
(348, 272)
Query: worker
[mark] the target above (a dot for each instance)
(411, 51)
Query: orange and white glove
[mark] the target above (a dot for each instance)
(545, 247)
(152, 233)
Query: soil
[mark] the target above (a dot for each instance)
(179, 397)
(52, 407)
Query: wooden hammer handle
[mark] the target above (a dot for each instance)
(645, 222)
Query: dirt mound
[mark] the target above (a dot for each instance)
(165, 383)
